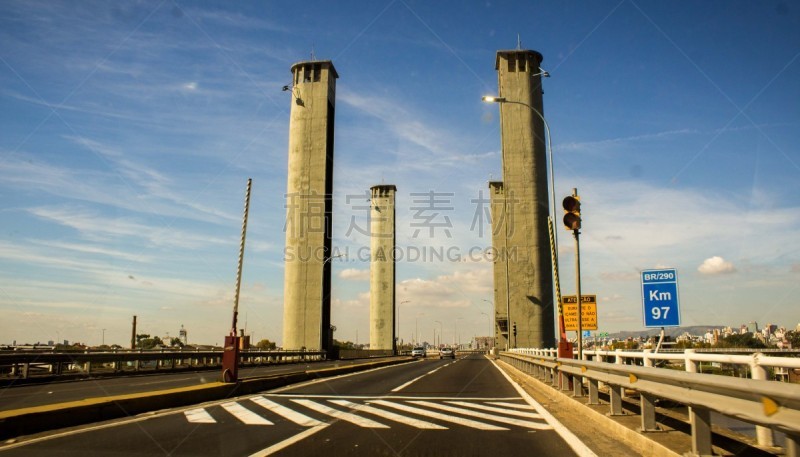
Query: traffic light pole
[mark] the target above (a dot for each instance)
(578, 291)
(576, 232)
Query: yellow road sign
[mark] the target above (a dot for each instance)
(588, 312)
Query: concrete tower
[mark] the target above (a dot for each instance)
(307, 280)
(381, 269)
(530, 282)
(499, 227)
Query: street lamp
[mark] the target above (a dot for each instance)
(441, 333)
(552, 216)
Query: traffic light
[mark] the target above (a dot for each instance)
(515, 329)
(572, 208)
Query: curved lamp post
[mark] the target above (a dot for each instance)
(552, 216)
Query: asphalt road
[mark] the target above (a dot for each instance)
(24, 396)
(432, 407)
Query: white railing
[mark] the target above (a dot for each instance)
(770, 405)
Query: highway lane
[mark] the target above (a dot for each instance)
(430, 407)
(24, 396)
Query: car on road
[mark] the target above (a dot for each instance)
(447, 352)
(418, 351)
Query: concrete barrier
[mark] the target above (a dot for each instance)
(26, 421)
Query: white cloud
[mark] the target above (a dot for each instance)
(354, 274)
(716, 265)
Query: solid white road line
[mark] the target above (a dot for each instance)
(352, 418)
(440, 416)
(245, 415)
(199, 416)
(502, 419)
(510, 412)
(287, 413)
(288, 442)
(573, 441)
(390, 415)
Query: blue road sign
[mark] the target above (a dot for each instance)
(660, 298)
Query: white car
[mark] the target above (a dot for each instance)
(418, 351)
(447, 352)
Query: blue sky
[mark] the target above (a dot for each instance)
(128, 131)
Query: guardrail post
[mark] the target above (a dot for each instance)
(646, 360)
(577, 386)
(699, 418)
(619, 359)
(701, 431)
(763, 434)
(594, 388)
(648, 406)
(615, 400)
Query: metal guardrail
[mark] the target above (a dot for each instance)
(768, 404)
(24, 365)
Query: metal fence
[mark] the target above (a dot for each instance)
(28, 365)
(770, 405)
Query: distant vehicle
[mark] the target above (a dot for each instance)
(447, 352)
(418, 351)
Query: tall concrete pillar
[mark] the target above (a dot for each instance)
(530, 282)
(307, 280)
(381, 269)
(497, 204)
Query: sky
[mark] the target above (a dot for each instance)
(128, 131)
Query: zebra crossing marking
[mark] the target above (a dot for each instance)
(496, 410)
(440, 416)
(450, 410)
(245, 415)
(286, 413)
(199, 416)
(512, 405)
(352, 418)
(467, 412)
(390, 415)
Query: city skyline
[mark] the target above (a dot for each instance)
(129, 131)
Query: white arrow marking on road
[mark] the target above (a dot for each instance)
(467, 412)
(245, 415)
(440, 416)
(496, 410)
(390, 415)
(292, 415)
(199, 416)
(352, 418)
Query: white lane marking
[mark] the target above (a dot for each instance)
(573, 441)
(390, 415)
(199, 416)
(352, 418)
(317, 381)
(403, 386)
(390, 397)
(502, 419)
(289, 441)
(287, 413)
(440, 416)
(509, 412)
(245, 415)
(511, 405)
